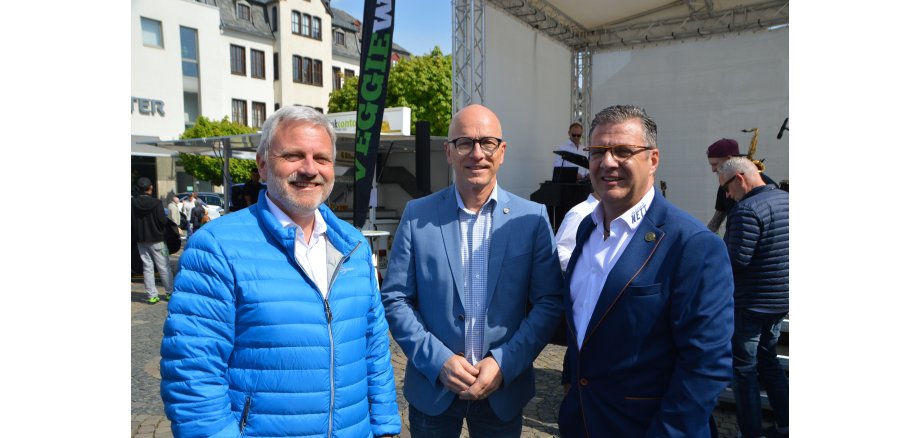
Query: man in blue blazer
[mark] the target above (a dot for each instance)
(473, 292)
(649, 307)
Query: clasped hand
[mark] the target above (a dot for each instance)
(468, 381)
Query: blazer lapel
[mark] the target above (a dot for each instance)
(637, 254)
(450, 232)
(499, 240)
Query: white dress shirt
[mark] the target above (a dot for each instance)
(568, 146)
(565, 236)
(310, 254)
(598, 257)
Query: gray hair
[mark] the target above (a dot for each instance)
(735, 165)
(293, 113)
(622, 113)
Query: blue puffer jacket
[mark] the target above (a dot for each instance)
(757, 236)
(250, 348)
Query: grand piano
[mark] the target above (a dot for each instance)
(563, 192)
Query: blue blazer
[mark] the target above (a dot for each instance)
(657, 350)
(422, 295)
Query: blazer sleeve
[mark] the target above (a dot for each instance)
(381, 388)
(545, 295)
(400, 297)
(702, 322)
(197, 341)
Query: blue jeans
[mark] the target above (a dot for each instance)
(754, 361)
(480, 419)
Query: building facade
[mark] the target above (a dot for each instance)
(240, 59)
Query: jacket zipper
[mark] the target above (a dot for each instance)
(245, 415)
(335, 273)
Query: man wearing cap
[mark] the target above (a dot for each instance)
(148, 220)
(757, 237)
(717, 153)
(649, 302)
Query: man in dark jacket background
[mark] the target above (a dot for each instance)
(147, 223)
(757, 236)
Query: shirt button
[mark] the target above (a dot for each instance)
(460, 317)
(583, 382)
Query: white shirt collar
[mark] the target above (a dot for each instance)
(319, 224)
(629, 219)
(460, 204)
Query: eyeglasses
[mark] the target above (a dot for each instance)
(725, 186)
(621, 152)
(575, 135)
(465, 145)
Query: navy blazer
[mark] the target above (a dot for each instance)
(657, 350)
(422, 295)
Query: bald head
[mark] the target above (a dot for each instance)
(475, 118)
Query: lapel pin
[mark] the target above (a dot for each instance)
(505, 210)
(650, 237)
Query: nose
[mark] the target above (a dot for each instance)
(608, 161)
(308, 166)
(476, 152)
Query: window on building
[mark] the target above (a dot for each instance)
(306, 23)
(349, 73)
(258, 114)
(275, 65)
(257, 58)
(191, 107)
(277, 106)
(152, 32)
(242, 11)
(339, 38)
(295, 22)
(188, 40)
(237, 60)
(298, 71)
(239, 112)
(317, 72)
(317, 28)
(274, 19)
(307, 71)
(336, 78)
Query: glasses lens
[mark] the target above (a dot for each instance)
(463, 144)
(622, 152)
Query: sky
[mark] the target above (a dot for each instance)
(420, 24)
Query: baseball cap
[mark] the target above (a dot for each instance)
(144, 182)
(725, 147)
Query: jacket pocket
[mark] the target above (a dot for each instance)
(643, 291)
(244, 417)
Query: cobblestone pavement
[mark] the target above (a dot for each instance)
(149, 421)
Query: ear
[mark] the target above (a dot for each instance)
(260, 163)
(654, 159)
(447, 152)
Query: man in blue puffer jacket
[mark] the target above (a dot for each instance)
(757, 236)
(275, 327)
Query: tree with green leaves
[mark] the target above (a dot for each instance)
(422, 83)
(210, 169)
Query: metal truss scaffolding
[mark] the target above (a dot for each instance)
(469, 52)
(581, 87)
